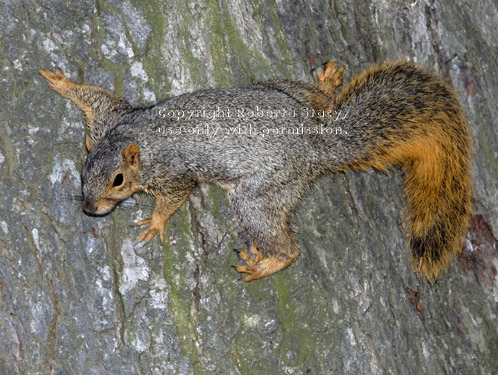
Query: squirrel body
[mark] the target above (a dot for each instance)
(266, 144)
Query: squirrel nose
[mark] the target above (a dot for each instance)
(89, 207)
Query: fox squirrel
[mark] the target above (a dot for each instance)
(266, 144)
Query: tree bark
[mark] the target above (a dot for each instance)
(78, 296)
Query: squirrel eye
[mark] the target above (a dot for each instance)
(118, 180)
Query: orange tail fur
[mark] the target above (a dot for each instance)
(438, 187)
(409, 117)
(435, 157)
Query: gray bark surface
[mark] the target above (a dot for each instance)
(77, 296)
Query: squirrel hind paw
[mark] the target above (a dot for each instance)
(252, 256)
(329, 77)
(259, 267)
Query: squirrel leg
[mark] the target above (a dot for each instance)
(272, 247)
(165, 208)
(263, 210)
(99, 105)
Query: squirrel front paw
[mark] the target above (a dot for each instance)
(260, 267)
(156, 224)
(58, 81)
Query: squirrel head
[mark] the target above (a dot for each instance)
(110, 175)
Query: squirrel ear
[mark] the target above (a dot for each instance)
(131, 156)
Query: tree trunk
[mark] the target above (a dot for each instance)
(78, 296)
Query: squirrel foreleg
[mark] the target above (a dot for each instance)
(165, 208)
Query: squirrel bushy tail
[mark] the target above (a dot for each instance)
(399, 114)
(439, 206)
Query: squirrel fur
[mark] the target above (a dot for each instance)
(393, 113)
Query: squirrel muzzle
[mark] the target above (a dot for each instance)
(99, 208)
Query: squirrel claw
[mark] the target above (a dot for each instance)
(144, 221)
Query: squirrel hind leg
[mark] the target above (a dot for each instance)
(262, 212)
(268, 252)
